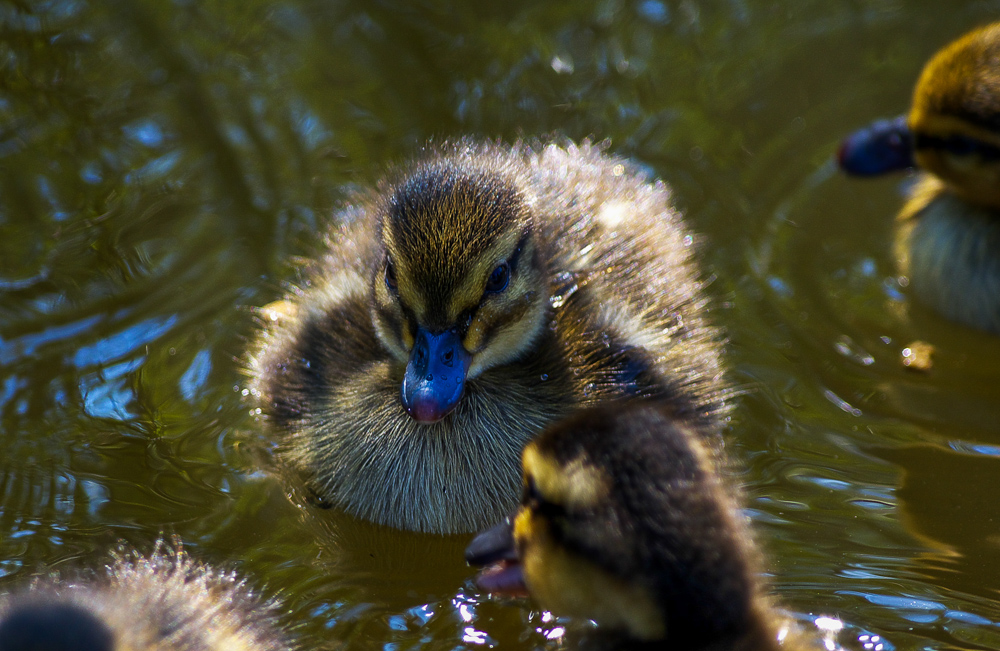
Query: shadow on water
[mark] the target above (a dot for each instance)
(163, 164)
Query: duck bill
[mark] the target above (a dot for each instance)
(495, 549)
(883, 146)
(435, 375)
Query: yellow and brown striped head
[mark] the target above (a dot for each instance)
(955, 118)
(623, 520)
(461, 286)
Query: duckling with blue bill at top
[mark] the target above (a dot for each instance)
(163, 602)
(625, 520)
(948, 235)
(481, 293)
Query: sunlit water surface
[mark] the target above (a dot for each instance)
(162, 164)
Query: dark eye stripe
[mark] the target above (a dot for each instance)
(958, 145)
(515, 314)
(534, 500)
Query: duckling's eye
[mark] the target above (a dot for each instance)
(530, 496)
(499, 278)
(390, 275)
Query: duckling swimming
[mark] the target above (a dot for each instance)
(948, 240)
(481, 293)
(623, 520)
(164, 602)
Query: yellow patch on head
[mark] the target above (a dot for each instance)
(924, 120)
(470, 292)
(410, 294)
(575, 485)
(568, 584)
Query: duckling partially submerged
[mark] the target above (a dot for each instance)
(164, 602)
(949, 231)
(483, 292)
(624, 520)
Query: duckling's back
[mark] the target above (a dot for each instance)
(626, 287)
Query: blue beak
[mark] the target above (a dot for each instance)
(883, 146)
(435, 375)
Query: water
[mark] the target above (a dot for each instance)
(162, 164)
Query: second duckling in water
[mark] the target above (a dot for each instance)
(624, 520)
(163, 602)
(948, 239)
(481, 293)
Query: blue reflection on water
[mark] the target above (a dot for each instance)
(156, 168)
(26, 345)
(196, 375)
(106, 395)
(899, 603)
(122, 343)
(654, 12)
(969, 447)
(146, 132)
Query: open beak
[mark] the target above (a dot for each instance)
(883, 146)
(495, 549)
(435, 375)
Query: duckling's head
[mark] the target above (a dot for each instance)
(955, 118)
(953, 127)
(461, 286)
(46, 623)
(624, 521)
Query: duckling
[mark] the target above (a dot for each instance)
(948, 234)
(624, 520)
(482, 292)
(164, 602)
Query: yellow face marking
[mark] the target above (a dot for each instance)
(576, 485)
(968, 176)
(410, 293)
(922, 120)
(569, 584)
(470, 292)
(508, 342)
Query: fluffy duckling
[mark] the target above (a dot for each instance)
(164, 602)
(624, 520)
(482, 292)
(948, 239)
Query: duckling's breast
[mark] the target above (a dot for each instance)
(455, 475)
(950, 249)
(334, 397)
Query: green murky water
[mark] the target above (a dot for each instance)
(162, 162)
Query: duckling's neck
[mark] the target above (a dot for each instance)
(932, 193)
(974, 178)
(948, 248)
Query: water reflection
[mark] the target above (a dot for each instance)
(162, 163)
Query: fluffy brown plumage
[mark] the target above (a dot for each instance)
(625, 520)
(164, 602)
(550, 278)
